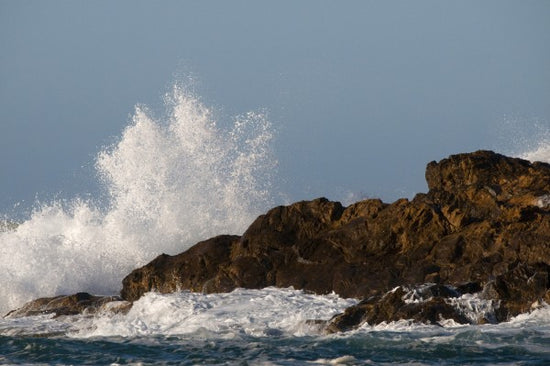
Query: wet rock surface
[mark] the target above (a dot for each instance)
(399, 304)
(483, 227)
(197, 269)
(78, 303)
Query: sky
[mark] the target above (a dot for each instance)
(361, 94)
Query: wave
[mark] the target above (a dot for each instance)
(267, 326)
(540, 153)
(526, 138)
(241, 313)
(169, 182)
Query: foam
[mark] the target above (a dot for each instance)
(269, 312)
(259, 313)
(540, 153)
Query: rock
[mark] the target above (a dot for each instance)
(198, 269)
(427, 306)
(78, 303)
(484, 217)
(518, 290)
(483, 227)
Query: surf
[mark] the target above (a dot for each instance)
(168, 182)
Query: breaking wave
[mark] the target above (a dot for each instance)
(169, 182)
(540, 153)
(527, 138)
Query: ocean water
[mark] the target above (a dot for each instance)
(173, 178)
(263, 327)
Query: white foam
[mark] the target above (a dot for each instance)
(538, 318)
(170, 182)
(540, 153)
(259, 313)
(343, 360)
(475, 308)
(41, 325)
(266, 312)
(530, 137)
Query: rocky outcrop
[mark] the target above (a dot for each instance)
(197, 269)
(78, 303)
(483, 227)
(518, 291)
(484, 222)
(427, 305)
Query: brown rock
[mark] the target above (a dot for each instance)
(483, 224)
(430, 307)
(519, 290)
(484, 216)
(78, 303)
(197, 269)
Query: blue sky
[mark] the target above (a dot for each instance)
(362, 94)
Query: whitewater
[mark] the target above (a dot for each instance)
(173, 178)
(270, 327)
(169, 182)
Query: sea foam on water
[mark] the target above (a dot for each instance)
(170, 182)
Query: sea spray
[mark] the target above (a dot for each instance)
(540, 153)
(527, 138)
(261, 313)
(170, 182)
(537, 147)
(185, 179)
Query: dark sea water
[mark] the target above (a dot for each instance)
(379, 348)
(251, 327)
(467, 346)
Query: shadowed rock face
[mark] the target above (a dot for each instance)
(483, 226)
(196, 269)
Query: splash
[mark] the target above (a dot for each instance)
(540, 153)
(529, 138)
(170, 182)
(537, 147)
(259, 313)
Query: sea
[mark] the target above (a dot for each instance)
(170, 180)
